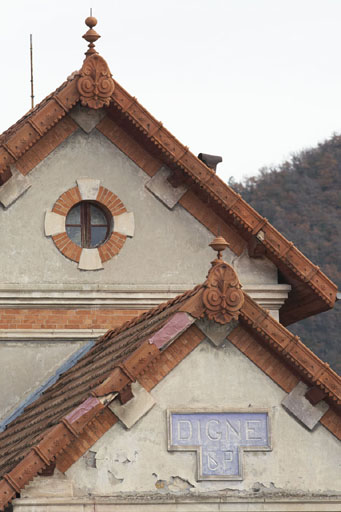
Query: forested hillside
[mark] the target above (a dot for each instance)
(302, 199)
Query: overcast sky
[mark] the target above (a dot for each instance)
(251, 80)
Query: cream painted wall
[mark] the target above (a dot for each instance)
(169, 247)
(136, 461)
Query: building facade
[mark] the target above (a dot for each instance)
(106, 215)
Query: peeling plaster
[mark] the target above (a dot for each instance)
(174, 484)
(90, 459)
(113, 479)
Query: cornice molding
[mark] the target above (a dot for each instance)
(137, 503)
(270, 296)
(50, 335)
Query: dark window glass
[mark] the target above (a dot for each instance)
(74, 232)
(88, 224)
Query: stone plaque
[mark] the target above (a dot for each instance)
(219, 439)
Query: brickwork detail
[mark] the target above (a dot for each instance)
(25, 134)
(66, 201)
(46, 145)
(282, 341)
(92, 432)
(66, 318)
(171, 357)
(113, 205)
(275, 368)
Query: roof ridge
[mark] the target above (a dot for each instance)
(278, 248)
(37, 122)
(36, 108)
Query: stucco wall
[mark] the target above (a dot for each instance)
(137, 460)
(26, 366)
(168, 247)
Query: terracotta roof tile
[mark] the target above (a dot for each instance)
(77, 383)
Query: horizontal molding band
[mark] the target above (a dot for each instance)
(50, 335)
(270, 296)
(228, 504)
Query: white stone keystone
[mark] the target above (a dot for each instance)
(88, 187)
(90, 260)
(135, 408)
(54, 223)
(124, 223)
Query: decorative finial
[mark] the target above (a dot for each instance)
(219, 244)
(91, 35)
(95, 84)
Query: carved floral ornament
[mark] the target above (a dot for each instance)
(95, 84)
(222, 296)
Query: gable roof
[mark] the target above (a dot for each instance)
(70, 416)
(209, 199)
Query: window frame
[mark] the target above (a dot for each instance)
(86, 225)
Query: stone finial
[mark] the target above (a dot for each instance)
(219, 244)
(95, 84)
(91, 35)
(220, 298)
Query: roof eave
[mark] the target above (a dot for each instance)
(319, 291)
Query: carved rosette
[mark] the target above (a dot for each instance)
(222, 296)
(95, 84)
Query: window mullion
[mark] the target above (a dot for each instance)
(88, 225)
(84, 224)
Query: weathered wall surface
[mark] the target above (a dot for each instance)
(137, 460)
(169, 247)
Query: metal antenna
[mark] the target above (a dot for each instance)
(31, 59)
(90, 11)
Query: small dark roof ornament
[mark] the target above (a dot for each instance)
(219, 244)
(210, 160)
(91, 35)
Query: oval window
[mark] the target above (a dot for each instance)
(88, 224)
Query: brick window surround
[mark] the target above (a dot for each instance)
(88, 189)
